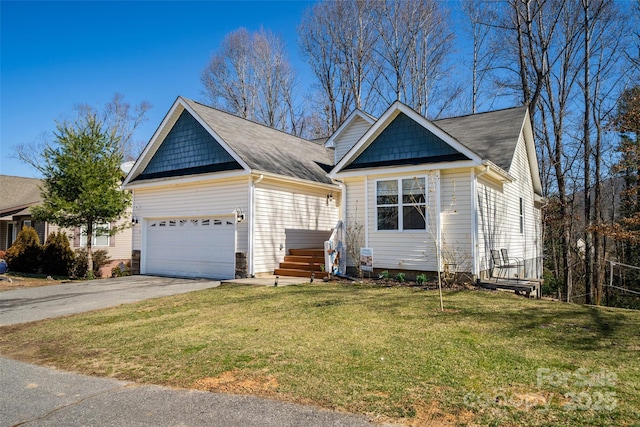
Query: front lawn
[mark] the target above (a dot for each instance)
(490, 359)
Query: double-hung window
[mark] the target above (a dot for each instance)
(401, 204)
(100, 235)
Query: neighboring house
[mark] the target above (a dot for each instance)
(19, 194)
(219, 196)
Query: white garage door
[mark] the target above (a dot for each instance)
(191, 247)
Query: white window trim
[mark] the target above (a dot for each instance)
(94, 240)
(400, 205)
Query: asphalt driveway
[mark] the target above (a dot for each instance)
(39, 396)
(44, 302)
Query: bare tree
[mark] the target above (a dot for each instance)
(414, 39)
(337, 39)
(250, 76)
(117, 116)
(122, 120)
(604, 63)
(481, 15)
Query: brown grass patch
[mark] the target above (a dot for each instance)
(429, 414)
(236, 382)
(10, 283)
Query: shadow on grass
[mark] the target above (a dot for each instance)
(574, 327)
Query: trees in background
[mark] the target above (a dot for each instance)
(250, 76)
(119, 117)
(569, 61)
(337, 39)
(366, 54)
(625, 229)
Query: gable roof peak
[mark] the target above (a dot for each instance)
(234, 116)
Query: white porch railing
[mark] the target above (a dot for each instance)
(335, 262)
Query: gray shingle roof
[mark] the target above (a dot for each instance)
(265, 149)
(493, 135)
(18, 192)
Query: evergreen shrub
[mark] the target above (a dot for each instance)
(25, 253)
(100, 259)
(58, 257)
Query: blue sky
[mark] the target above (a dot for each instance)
(55, 55)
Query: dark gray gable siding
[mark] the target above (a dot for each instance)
(188, 149)
(264, 149)
(405, 142)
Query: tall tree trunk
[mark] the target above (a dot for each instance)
(588, 234)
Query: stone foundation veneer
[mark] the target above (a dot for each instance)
(135, 262)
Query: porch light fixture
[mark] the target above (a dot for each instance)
(329, 198)
(239, 215)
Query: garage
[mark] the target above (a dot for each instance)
(191, 247)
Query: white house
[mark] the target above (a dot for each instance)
(213, 193)
(217, 196)
(458, 187)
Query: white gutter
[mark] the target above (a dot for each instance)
(294, 180)
(252, 221)
(492, 167)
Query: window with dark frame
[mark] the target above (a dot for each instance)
(403, 195)
(521, 216)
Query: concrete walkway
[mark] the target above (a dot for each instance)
(270, 281)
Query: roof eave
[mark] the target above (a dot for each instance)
(330, 143)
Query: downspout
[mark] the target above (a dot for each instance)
(343, 201)
(252, 223)
(476, 231)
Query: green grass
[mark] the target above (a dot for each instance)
(489, 359)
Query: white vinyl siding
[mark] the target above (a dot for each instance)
(407, 249)
(119, 247)
(355, 209)
(289, 216)
(499, 216)
(349, 136)
(220, 197)
(456, 217)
